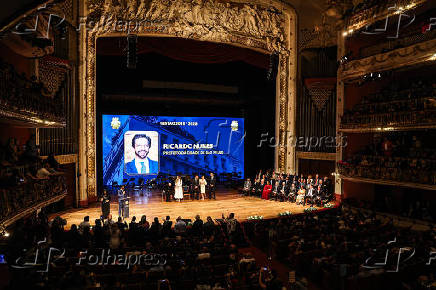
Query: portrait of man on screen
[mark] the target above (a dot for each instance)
(139, 149)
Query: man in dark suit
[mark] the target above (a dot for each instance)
(212, 184)
(195, 190)
(121, 200)
(141, 164)
(309, 195)
(105, 204)
(168, 191)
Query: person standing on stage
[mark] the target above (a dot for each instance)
(121, 197)
(247, 187)
(212, 184)
(178, 191)
(203, 184)
(168, 191)
(105, 205)
(196, 188)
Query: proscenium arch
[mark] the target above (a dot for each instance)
(267, 26)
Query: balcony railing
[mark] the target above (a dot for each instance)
(396, 114)
(28, 101)
(18, 198)
(398, 170)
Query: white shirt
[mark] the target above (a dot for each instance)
(139, 166)
(310, 193)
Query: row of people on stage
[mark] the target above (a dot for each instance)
(198, 188)
(301, 190)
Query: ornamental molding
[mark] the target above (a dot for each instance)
(408, 56)
(316, 155)
(252, 25)
(64, 159)
(379, 12)
(52, 74)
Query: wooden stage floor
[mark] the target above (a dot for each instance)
(152, 206)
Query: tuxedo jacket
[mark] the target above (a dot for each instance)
(212, 181)
(196, 183)
(153, 167)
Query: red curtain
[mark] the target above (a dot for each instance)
(184, 50)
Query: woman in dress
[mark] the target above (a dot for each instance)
(178, 189)
(266, 190)
(301, 194)
(203, 184)
(105, 204)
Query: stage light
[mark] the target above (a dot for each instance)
(344, 34)
(131, 51)
(345, 58)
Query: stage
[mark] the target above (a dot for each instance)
(152, 206)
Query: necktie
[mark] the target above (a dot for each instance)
(143, 168)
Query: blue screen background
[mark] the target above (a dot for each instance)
(210, 130)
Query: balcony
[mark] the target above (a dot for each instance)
(410, 56)
(29, 102)
(28, 194)
(394, 176)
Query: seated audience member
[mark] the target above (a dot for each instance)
(143, 223)
(318, 200)
(301, 195)
(260, 187)
(84, 224)
(44, 172)
(282, 191)
(12, 151)
(155, 228)
(266, 190)
(254, 188)
(166, 227)
(309, 195)
(292, 195)
(32, 150)
(180, 226)
(53, 162)
(197, 226)
(209, 227)
(121, 225)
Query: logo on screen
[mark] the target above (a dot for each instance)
(234, 125)
(115, 124)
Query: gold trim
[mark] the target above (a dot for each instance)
(389, 182)
(65, 159)
(30, 118)
(316, 155)
(372, 15)
(407, 56)
(387, 128)
(13, 219)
